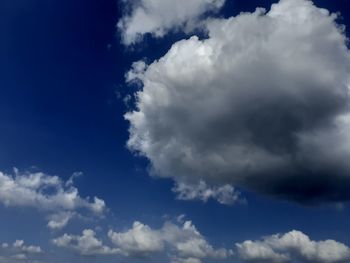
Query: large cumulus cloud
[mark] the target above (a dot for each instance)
(262, 103)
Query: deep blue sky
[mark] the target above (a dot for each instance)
(61, 86)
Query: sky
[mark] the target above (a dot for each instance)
(186, 131)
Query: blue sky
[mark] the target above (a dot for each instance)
(63, 100)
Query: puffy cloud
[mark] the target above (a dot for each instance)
(184, 242)
(260, 252)
(60, 220)
(19, 244)
(262, 103)
(18, 251)
(294, 246)
(158, 17)
(46, 193)
(140, 239)
(86, 244)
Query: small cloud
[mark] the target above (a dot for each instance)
(87, 244)
(225, 195)
(49, 194)
(162, 16)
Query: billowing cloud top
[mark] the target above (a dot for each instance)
(157, 17)
(262, 103)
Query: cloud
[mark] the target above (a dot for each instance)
(18, 251)
(186, 260)
(87, 244)
(262, 103)
(19, 244)
(182, 243)
(293, 246)
(140, 239)
(60, 220)
(158, 17)
(224, 195)
(46, 193)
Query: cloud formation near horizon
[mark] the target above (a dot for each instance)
(262, 103)
(184, 244)
(181, 243)
(158, 17)
(293, 246)
(18, 252)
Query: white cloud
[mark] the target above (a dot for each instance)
(46, 193)
(181, 243)
(86, 244)
(261, 103)
(185, 260)
(60, 220)
(18, 252)
(260, 252)
(293, 246)
(184, 243)
(158, 17)
(19, 244)
(140, 239)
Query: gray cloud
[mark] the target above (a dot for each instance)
(225, 194)
(262, 103)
